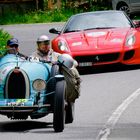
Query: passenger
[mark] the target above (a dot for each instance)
(13, 47)
(44, 51)
(72, 77)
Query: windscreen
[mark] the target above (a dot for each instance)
(97, 20)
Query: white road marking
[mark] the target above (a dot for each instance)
(106, 131)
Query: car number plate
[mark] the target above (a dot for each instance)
(85, 64)
(15, 104)
(12, 104)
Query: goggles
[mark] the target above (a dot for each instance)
(44, 42)
(14, 46)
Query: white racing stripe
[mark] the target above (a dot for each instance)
(105, 132)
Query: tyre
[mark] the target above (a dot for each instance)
(59, 107)
(69, 113)
(52, 85)
(54, 71)
(124, 7)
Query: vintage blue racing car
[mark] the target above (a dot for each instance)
(33, 89)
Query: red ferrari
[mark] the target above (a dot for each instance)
(99, 38)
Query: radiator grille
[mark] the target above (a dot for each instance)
(17, 85)
(98, 58)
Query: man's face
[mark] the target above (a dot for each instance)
(44, 47)
(13, 49)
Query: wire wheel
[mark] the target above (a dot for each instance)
(124, 8)
(59, 107)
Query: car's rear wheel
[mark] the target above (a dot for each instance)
(69, 113)
(59, 107)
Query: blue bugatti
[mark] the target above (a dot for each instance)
(33, 89)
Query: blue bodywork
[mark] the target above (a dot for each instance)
(18, 98)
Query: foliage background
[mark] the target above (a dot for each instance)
(4, 36)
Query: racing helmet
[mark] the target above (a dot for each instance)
(43, 39)
(66, 60)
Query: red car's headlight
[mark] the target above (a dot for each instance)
(130, 40)
(63, 46)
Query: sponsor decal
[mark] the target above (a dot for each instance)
(22, 100)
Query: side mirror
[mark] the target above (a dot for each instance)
(137, 23)
(54, 31)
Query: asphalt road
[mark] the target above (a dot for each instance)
(108, 108)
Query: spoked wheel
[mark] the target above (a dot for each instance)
(59, 107)
(69, 113)
(125, 8)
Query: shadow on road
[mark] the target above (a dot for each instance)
(108, 68)
(23, 126)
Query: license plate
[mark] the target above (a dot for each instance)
(15, 104)
(12, 104)
(85, 64)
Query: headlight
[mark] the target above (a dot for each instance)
(39, 85)
(63, 46)
(130, 40)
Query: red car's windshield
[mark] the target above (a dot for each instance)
(97, 20)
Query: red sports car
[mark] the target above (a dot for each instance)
(99, 38)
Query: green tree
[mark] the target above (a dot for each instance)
(4, 36)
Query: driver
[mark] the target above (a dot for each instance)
(13, 47)
(44, 52)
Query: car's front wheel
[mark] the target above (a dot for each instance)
(59, 106)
